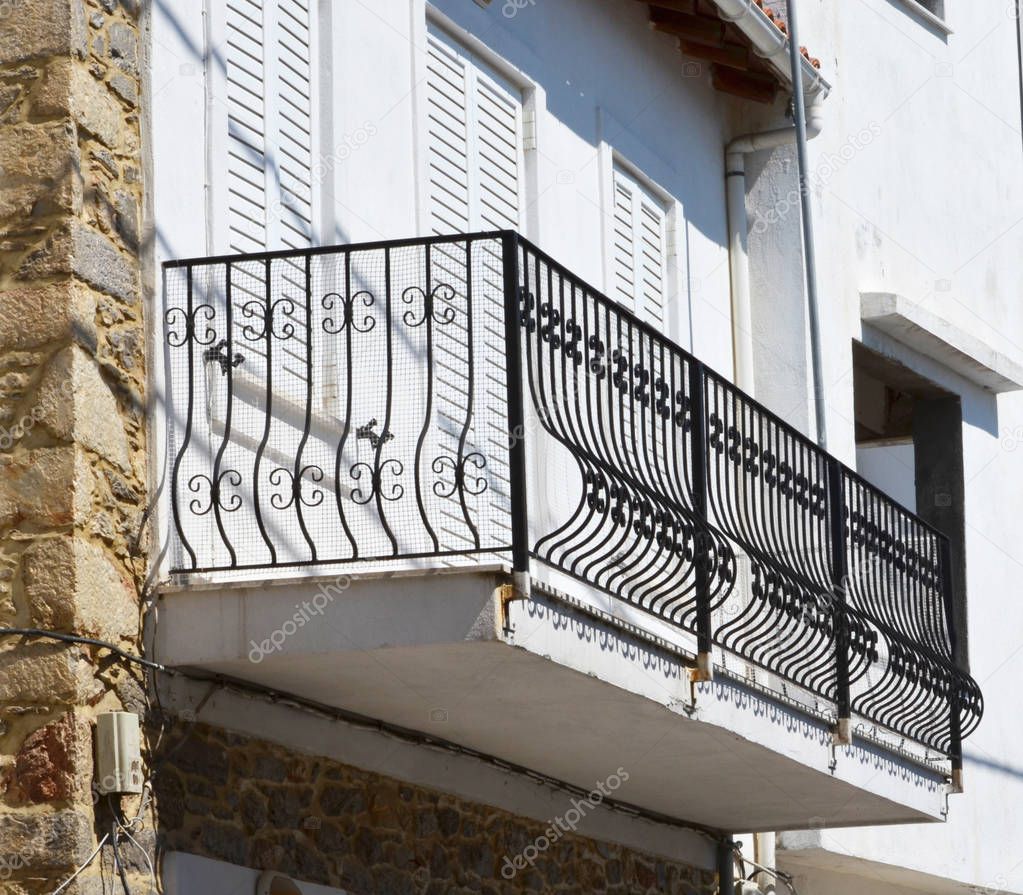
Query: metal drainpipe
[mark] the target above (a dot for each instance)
(1019, 47)
(809, 249)
(726, 867)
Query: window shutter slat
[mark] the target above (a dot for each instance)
(639, 248)
(270, 195)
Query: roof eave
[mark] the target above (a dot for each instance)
(771, 44)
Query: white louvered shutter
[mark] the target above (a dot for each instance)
(639, 248)
(269, 94)
(473, 156)
(448, 141)
(474, 126)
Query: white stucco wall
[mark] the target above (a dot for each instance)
(929, 207)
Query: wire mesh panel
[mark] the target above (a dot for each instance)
(617, 396)
(768, 492)
(898, 584)
(366, 405)
(337, 406)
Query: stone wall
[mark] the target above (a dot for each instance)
(72, 438)
(258, 805)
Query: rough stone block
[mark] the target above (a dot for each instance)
(124, 47)
(40, 170)
(75, 404)
(33, 317)
(38, 674)
(49, 842)
(44, 28)
(75, 249)
(54, 763)
(48, 487)
(70, 89)
(72, 585)
(125, 87)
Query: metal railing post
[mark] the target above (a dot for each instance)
(701, 543)
(839, 576)
(516, 413)
(955, 751)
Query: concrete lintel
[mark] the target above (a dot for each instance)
(934, 337)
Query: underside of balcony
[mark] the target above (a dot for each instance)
(552, 688)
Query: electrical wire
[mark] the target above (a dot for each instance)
(145, 854)
(86, 641)
(777, 874)
(88, 861)
(136, 824)
(118, 866)
(278, 697)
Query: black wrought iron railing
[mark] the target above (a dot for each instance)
(388, 403)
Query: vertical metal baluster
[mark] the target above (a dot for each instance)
(428, 411)
(701, 542)
(955, 725)
(296, 481)
(349, 326)
(229, 375)
(178, 459)
(378, 471)
(470, 398)
(839, 574)
(268, 410)
(516, 413)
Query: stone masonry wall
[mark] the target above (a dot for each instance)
(256, 804)
(72, 439)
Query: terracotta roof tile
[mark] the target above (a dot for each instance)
(703, 35)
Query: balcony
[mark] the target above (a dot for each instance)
(553, 517)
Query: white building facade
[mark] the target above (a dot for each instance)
(510, 516)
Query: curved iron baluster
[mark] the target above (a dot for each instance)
(430, 295)
(176, 341)
(378, 466)
(470, 399)
(627, 534)
(264, 313)
(228, 371)
(348, 325)
(299, 469)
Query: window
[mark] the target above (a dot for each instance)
(639, 247)
(931, 11)
(269, 122)
(474, 143)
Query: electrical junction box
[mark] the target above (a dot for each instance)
(118, 753)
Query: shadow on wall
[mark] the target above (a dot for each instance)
(631, 102)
